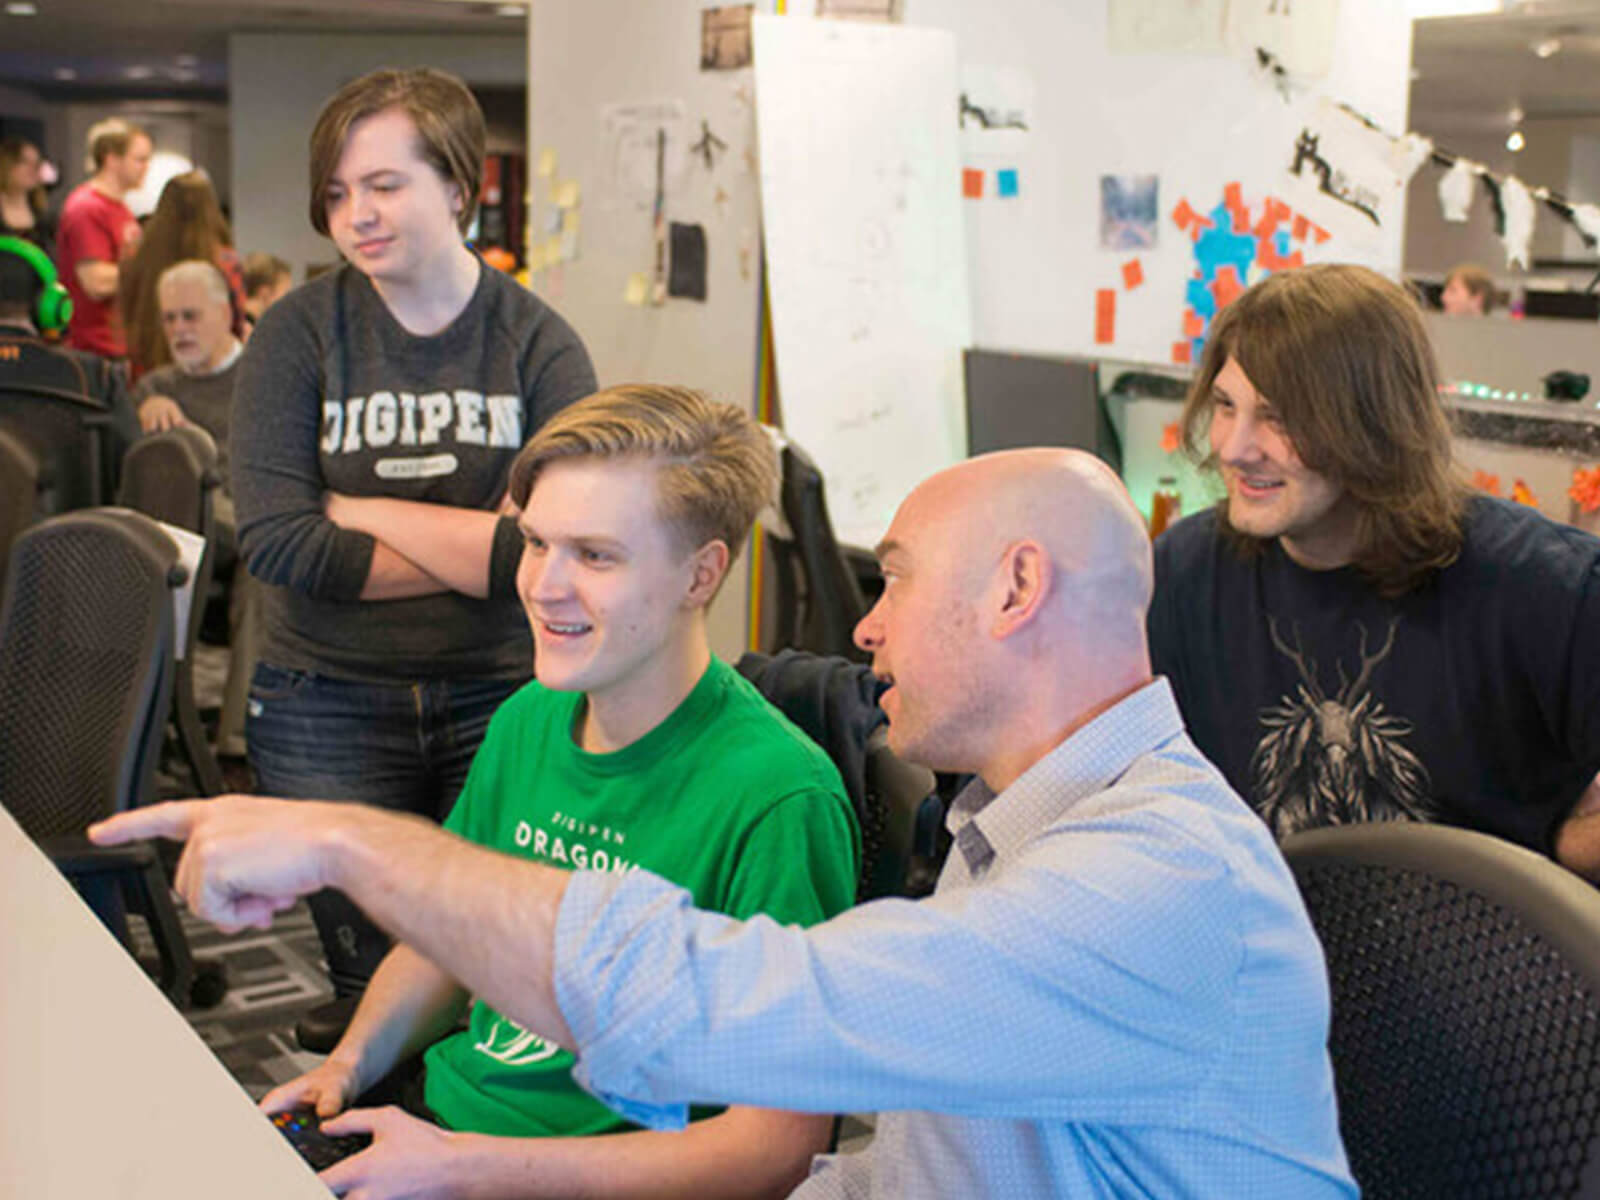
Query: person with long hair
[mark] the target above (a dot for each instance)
(22, 204)
(187, 224)
(1351, 633)
(377, 413)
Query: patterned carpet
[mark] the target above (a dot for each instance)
(273, 977)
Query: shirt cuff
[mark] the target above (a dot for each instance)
(614, 986)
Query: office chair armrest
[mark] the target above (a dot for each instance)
(76, 856)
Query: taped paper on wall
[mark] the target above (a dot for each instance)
(630, 136)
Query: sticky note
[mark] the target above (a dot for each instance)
(1180, 352)
(1300, 228)
(1005, 181)
(1105, 316)
(972, 183)
(1226, 287)
(569, 221)
(1320, 234)
(547, 164)
(567, 194)
(1132, 274)
(1241, 220)
(1193, 323)
(1183, 215)
(638, 289)
(1232, 196)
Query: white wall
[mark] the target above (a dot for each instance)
(277, 85)
(583, 56)
(1198, 121)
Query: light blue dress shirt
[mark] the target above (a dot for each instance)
(1114, 991)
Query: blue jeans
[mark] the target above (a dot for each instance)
(404, 747)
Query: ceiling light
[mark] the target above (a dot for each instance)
(186, 60)
(1516, 114)
(1516, 141)
(511, 10)
(65, 74)
(21, 8)
(138, 71)
(1547, 47)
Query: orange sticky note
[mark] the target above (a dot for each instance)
(1232, 196)
(1320, 233)
(1300, 228)
(1193, 323)
(1171, 438)
(1226, 287)
(1182, 215)
(972, 183)
(1241, 220)
(1132, 274)
(1180, 352)
(1105, 316)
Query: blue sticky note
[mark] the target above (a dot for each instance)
(1198, 294)
(1283, 244)
(1006, 181)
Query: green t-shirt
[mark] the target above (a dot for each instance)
(725, 798)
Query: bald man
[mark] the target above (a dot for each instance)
(1114, 990)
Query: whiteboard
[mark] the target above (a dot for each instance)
(866, 254)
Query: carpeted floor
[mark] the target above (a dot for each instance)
(273, 977)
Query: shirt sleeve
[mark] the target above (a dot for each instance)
(799, 862)
(284, 537)
(1090, 980)
(88, 238)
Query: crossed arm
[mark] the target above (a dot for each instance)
(422, 548)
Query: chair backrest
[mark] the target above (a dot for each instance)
(19, 493)
(69, 436)
(1465, 976)
(819, 599)
(833, 702)
(171, 477)
(86, 667)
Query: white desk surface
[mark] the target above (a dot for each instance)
(105, 1091)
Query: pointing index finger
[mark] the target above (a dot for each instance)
(174, 821)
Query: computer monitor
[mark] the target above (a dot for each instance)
(1575, 306)
(1032, 400)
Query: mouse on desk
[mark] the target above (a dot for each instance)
(303, 1128)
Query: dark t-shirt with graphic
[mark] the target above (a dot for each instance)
(1474, 700)
(334, 394)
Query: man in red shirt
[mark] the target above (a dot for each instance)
(97, 232)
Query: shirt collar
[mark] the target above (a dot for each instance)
(1088, 762)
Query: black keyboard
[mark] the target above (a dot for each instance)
(303, 1128)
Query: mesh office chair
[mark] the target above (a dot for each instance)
(70, 436)
(86, 636)
(819, 598)
(19, 494)
(171, 477)
(1465, 974)
(834, 703)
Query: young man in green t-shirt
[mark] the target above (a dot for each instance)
(634, 747)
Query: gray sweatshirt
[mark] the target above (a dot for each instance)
(334, 394)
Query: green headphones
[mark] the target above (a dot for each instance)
(54, 308)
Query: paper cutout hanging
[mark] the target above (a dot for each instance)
(1455, 189)
(1587, 218)
(1408, 154)
(1517, 202)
